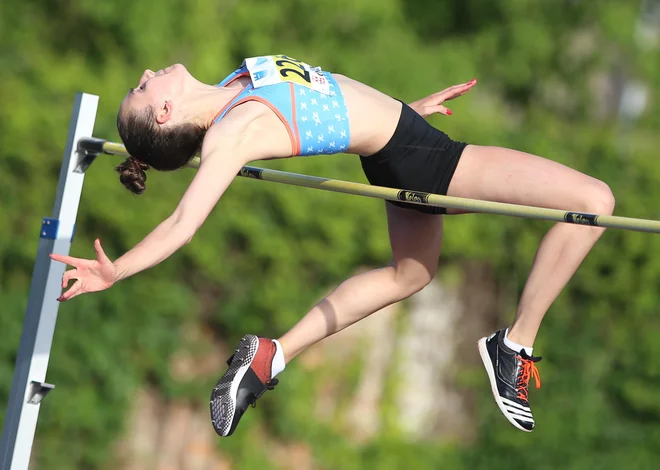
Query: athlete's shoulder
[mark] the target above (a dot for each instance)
(229, 129)
(235, 130)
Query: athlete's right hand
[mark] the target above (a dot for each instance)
(432, 104)
(90, 275)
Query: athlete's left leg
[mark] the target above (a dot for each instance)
(502, 175)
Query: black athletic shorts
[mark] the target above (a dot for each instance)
(418, 157)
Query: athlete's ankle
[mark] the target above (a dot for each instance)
(279, 363)
(515, 343)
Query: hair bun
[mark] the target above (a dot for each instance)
(132, 175)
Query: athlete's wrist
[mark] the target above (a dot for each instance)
(415, 106)
(121, 272)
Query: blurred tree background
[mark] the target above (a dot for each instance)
(571, 80)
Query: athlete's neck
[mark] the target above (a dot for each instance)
(202, 103)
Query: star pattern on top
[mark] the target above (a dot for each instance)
(323, 126)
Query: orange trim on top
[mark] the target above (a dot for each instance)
(277, 113)
(296, 144)
(242, 74)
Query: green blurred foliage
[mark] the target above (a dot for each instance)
(268, 252)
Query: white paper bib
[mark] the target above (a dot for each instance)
(273, 69)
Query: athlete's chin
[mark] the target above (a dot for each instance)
(176, 68)
(125, 104)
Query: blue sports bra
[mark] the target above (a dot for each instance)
(307, 100)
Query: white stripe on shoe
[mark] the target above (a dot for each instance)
(516, 412)
(522, 418)
(515, 405)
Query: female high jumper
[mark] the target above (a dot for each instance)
(279, 107)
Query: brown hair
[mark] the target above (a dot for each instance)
(132, 175)
(163, 149)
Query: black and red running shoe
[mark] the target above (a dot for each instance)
(248, 377)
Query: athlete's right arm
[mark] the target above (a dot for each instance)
(222, 158)
(223, 155)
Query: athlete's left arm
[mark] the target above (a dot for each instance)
(432, 104)
(223, 155)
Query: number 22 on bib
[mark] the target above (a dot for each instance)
(273, 69)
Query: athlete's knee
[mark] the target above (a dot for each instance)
(410, 278)
(603, 199)
(598, 198)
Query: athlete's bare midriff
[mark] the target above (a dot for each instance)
(373, 115)
(373, 119)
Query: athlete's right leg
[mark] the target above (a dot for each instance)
(416, 239)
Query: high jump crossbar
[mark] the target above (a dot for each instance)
(97, 146)
(29, 386)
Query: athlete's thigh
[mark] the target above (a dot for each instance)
(416, 238)
(504, 175)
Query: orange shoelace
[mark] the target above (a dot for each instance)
(527, 371)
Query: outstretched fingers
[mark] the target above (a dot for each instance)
(101, 257)
(438, 109)
(71, 274)
(70, 260)
(76, 289)
(457, 90)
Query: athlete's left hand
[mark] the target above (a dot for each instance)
(432, 104)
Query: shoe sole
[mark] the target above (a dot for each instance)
(485, 358)
(223, 397)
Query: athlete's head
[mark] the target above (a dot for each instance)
(154, 128)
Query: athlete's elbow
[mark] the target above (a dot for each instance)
(186, 231)
(185, 226)
(187, 234)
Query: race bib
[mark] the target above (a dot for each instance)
(273, 69)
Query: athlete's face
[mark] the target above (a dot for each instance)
(159, 90)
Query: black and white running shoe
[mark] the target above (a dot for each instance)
(248, 377)
(509, 373)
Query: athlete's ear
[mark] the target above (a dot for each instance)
(164, 113)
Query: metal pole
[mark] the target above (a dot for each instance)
(416, 197)
(28, 386)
